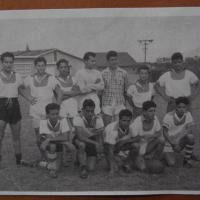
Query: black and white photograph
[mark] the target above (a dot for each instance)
(100, 101)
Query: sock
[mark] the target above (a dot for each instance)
(18, 157)
(188, 150)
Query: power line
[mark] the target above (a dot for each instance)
(145, 44)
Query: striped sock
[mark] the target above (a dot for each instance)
(188, 152)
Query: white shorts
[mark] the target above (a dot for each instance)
(69, 108)
(113, 109)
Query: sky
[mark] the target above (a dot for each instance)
(99, 34)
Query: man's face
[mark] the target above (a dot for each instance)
(124, 122)
(91, 62)
(7, 64)
(64, 69)
(181, 109)
(41, 67)
(113, 61)
(88, 112)
(53, 115)
(144, 74)
(178, 65)
(150, 113)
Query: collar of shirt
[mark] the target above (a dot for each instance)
(54, 128)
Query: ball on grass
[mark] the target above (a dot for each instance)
(155, 166)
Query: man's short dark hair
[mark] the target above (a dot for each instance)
(183, 100)
(7, 54)
(147, 105)
(51, 106)
(62, 61)
(40, 59)
(143, 67)
(88, 103)
(177, 56)
(125, 113)
(87, 55)
(111, 54)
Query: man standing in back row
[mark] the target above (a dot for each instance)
(89, 81)
(114, 93)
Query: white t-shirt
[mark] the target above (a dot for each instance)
(139, 98)
(178, 88)
(90, 80)
(112, 133)
(80, 121)
(64, 87)
(173, 129)
(137, 127)
(10, 90)
(63, 127)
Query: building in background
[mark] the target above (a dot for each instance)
(24, 60)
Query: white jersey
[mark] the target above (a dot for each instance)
(9, 85)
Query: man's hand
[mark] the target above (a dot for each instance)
(33, 100)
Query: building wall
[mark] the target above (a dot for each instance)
(25, 66)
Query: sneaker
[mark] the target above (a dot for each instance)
(53, 174)
(187, 164)
(126, 169)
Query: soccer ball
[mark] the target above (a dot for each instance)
(154, 166)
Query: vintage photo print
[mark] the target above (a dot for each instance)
(100, 101)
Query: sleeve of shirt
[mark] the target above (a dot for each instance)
(78, 122)
(162, 80)
(166, 121)
(110, 135)
(157, 127)
(192, 78)
(134, 128)
(65, 126)
(99, 123)
(153, 92)
(80, 81)
(189, 120)
(42, 128)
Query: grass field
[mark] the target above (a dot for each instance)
(33, 179)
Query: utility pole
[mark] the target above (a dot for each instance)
(145, 44)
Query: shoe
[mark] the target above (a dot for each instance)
(187, 164)
(126, 169)
(53, 174)
(84, 173)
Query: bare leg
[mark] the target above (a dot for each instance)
(2, 133)
(16, 129)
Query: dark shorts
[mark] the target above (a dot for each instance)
(90, 149)
(10, 110)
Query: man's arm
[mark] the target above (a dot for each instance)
(161, 91)
(23, 92)
(59, 94)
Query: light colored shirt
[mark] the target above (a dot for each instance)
(90, 80)
(113, 133)
(178, 88)
(62, 127)
(96, 122)
(139, 97)
(175, 129)
(115, 86)
(44, 92)
(9, 88)
(138, 130)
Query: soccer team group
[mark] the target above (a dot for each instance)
(86, 116)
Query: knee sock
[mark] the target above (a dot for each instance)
(188, 150)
